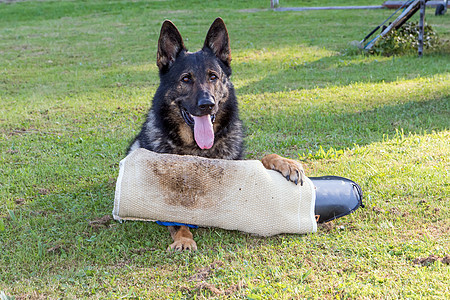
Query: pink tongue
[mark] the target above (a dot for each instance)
(203, 132)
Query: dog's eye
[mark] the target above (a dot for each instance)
(213, 77)
(186, 79)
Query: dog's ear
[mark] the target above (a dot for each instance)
(170, 44)
(218, 41)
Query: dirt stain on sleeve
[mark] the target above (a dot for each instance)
(187, 182)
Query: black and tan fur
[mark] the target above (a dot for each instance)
(195, 85)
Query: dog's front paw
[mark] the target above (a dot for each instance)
(183, 244)
(290, 169)
(183, 239)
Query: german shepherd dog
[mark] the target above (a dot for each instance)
(195, 110)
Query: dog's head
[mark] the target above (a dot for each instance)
(199, 82)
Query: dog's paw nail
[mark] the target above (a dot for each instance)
(288, 178)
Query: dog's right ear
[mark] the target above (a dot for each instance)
(170, 44)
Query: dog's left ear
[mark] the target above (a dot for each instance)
(170, 45)
(218, 41)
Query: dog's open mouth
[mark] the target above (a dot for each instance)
(203, 128)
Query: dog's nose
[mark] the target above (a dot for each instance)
(206, 104)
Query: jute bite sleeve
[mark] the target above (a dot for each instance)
(234, 195)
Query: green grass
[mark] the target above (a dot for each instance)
(76, 79)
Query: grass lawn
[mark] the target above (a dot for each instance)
(76, 80)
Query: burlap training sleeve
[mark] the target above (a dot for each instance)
(234, 195)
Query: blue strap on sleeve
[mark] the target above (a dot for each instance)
(175, 224)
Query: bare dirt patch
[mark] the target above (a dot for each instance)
(101, 222)
(204, 273)
(425, 261)
(216, 291)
